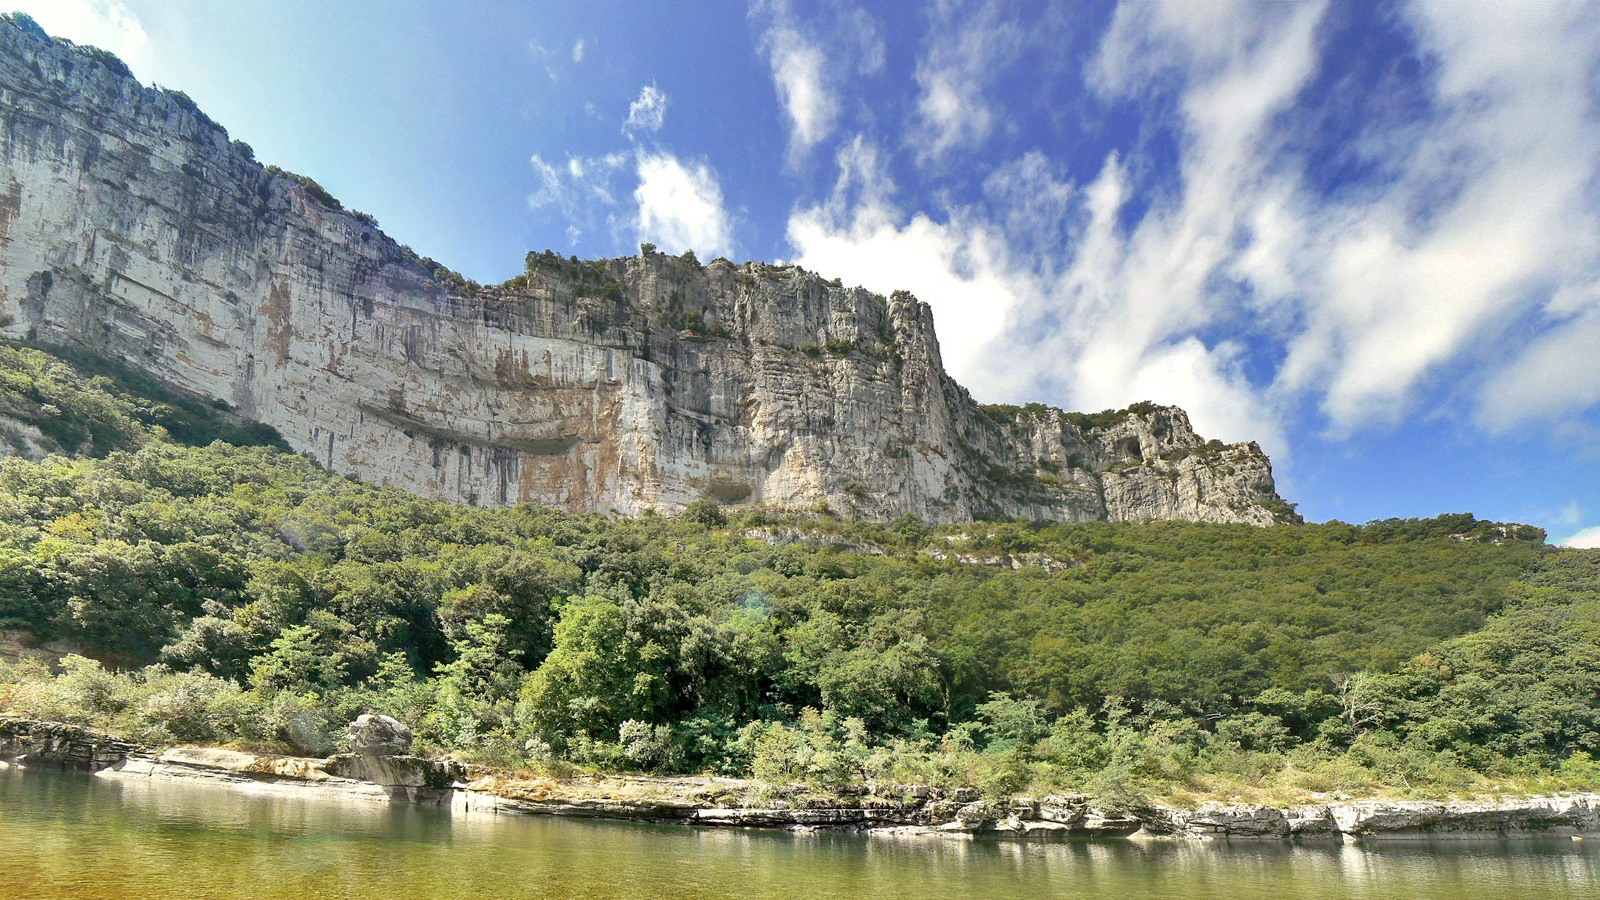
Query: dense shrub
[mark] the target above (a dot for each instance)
(242, 594)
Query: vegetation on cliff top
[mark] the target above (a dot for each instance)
(1009, 414)
(240, 594)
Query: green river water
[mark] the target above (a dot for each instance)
(74, 836)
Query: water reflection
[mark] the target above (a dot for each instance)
(77, 837)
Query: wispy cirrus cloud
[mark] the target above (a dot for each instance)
(808, 62)
(1487, 231)
(968, 46)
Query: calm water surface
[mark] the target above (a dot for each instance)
(70, 836)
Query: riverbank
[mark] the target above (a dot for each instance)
(729, 802)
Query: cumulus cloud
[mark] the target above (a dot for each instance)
(680, 206)
(1587, 539)
(645, 193)
(578, 50)
(648, 112)
(967, 49)
(807, 61)
(106, 24)
(860, 236)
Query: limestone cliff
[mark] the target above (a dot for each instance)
(130, 226)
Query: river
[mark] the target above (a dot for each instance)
(74, 836)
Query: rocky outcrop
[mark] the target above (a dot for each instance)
(58, 745)
(20, 645)
(1579, 813)
(704, 800)
(920, 810)
(255, 774)
(132, 227)
(396, 771)
(32, 743)
(405, 778)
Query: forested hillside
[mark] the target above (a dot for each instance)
(241, 594)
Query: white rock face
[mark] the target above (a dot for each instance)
(131, 227)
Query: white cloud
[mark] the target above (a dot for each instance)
(1570, 514)
(545, 57)
(648, 113)
(1126, 309)
(1371, 296)
(577, 50)
(1587, 539)
(807, 62)
(552, 187)
(1468, 272)
(1033, 201)
(1557, 374)
(675, 204)
(1103, 316)
(581, 189)
(1490, 212)
(680, 206)
(960, 267)
(808, 103)
(106, 24)
(967, 50)
(858, 38)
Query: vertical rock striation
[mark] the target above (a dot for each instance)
(132, 227)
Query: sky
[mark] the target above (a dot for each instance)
(1363, 235)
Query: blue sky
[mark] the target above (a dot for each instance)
(1364, 235)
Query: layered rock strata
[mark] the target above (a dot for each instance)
(132, 227)
(58, 745)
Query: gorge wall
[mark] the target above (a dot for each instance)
(132, 227)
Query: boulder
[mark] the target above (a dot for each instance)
(372, 735)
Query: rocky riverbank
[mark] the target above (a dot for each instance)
(382, 770)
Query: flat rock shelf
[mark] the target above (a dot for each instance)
(730, 802)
